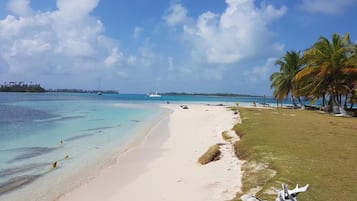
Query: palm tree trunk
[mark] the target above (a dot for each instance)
(335, 103)
(300, 101)
(345, 102)
(293, 101)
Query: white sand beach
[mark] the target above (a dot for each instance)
(165, 166)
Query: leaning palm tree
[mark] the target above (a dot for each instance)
(283, 81)
(352, 77)
(329, 63)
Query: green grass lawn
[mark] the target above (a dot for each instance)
(303, 147)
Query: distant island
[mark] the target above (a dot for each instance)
(21, 87)
(209, 94)
(82, 91)
(36, 88)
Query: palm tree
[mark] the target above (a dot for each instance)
(352, 78)
(329, 64)
(284, 82)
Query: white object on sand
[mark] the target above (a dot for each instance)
(289, 195)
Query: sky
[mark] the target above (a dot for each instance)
(139, 46)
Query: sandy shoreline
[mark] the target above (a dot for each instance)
(165, 166)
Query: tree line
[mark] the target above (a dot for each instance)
(82, 91)
(326, 71)
(24, 87)
(21, 87)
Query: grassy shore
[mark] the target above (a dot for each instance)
(299, 147)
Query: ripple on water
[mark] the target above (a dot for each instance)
(29, 152)
(22, 169)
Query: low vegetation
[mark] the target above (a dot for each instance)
(20, 87)
(212, 154)
(298, 147)
(82, 91)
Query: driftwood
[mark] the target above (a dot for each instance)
(289, 195)
(282, 195)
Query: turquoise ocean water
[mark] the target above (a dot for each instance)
(81, 132)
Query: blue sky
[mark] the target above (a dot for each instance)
(138, 46)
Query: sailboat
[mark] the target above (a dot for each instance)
(154, 95)
(99, 91)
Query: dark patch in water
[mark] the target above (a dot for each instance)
(57, 119)
(17, 114)
(22, 169)
(99, 128)
(70, 118)
(77, 137)
(60, 118)
(16, 182)
(97, 120)
(136, 121)
(30, 152)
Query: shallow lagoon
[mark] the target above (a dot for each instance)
(80, 133)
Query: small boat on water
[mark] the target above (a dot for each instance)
(154, 95)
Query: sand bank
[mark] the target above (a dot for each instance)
(165, 166)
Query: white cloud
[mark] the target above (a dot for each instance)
(176, 15)
(75, 10)
(20, 7)
(113, 58)
(29, 46)
(327, 6)
(137, 32)
(145, 57)
(66, 40)
(259, 73)
(239, 33)
(218, 40)
(132, 60)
